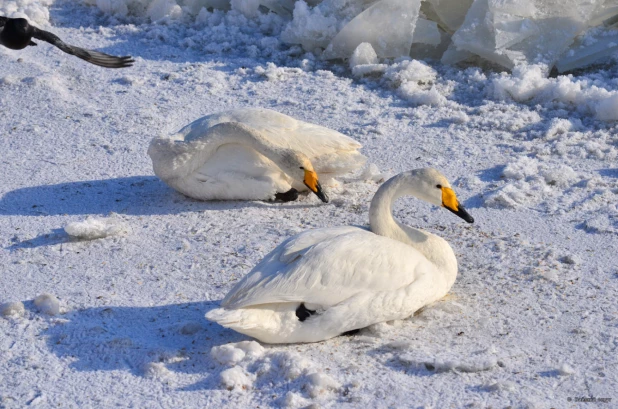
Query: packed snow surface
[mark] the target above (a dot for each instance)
(530, 322)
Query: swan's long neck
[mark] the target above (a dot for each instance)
(197, 144)
(434, 248)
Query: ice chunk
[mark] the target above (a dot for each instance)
(449, 14)
(319, 383)
(602, 43)
(12, 309)
(362, 55)
(426, 32)
(236, 378)
(93, 228)
(160, 9)
(512, 32)
(309, 27)
(388, 25)
(249, 8)
(607, 109)
(47, 304)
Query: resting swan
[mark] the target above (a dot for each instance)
(253, 154)
(322, 283)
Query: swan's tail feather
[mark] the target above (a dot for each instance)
(235, 319)
(271, 323)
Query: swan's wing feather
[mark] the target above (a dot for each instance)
(313, 140)
(327, 266)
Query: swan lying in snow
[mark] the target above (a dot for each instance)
(252, 154)
(17, 34)
(322, 283)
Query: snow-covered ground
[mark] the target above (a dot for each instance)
(118, 320)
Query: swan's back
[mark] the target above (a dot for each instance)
(327, 266)
(281, 130)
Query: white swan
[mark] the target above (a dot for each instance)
(322, 283)
(254, 154)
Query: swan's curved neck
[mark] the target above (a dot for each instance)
(434, 248)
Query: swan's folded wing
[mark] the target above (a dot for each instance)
(327, 266)
(311, 139)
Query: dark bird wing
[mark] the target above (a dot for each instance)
(93, 57)
(3, 21)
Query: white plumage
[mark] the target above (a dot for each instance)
(351, 277)
(251, 153)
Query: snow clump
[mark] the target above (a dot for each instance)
(47, 304)
(95, 228)
(12, 309)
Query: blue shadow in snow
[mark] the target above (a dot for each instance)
(130, 338)
(135, 195)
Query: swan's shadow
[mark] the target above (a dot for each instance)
(135, 195)
(176, 336)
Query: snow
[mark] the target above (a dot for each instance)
(47, 304)
(12, 309)
(94, 228)
(530, 321)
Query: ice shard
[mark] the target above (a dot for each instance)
(387, 25)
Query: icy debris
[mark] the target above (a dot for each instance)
(371, 172)
(473, 364)
(502, 386)
(607, 109)
(426, 32)
(47, 304)
(588, 49)
(509, 32)
(95, 228)
(529, 84)
(399, 345)
(363, 54)
(34, 10)
(565, 369)
(310, 28)
(294, 400)
(12, 309)
(449, 14)
(364, 70)
(529, 182)
(320, 383)
(231, 354)
(156, 370)
(236, 378)
(388, 26)
(411, 71)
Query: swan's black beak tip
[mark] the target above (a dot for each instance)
(462, 212)
(320, 193)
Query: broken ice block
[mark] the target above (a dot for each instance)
(511, 32)
(591, 48)
(449, 14)
(426, 32)
(363, 54)
(387, 25)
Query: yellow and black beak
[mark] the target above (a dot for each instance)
(311, 181)
(449, 200)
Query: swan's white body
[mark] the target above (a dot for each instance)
(350, 276)
(245, 154)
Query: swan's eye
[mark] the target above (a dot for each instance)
(302, 168)
(439, 186)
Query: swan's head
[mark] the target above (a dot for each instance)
(299, 167)
(434, 188)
